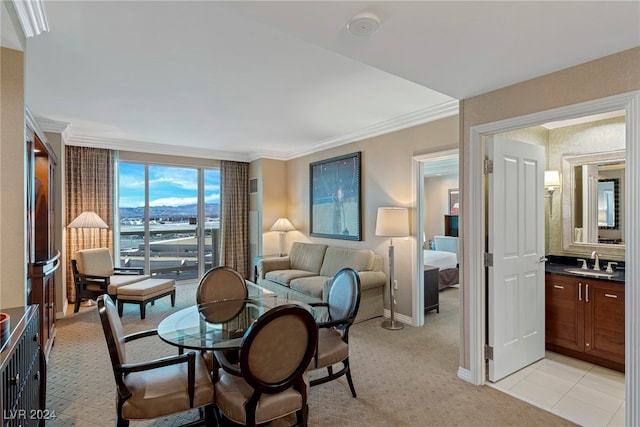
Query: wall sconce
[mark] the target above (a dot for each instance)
(282, 225)
(552, 183)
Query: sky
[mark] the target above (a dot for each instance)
(168, 185)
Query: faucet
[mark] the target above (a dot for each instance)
(596, 264)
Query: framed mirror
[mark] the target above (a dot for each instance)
(593, 203)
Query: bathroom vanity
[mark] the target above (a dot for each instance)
(585, 314)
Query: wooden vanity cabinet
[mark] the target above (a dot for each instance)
(584, 319)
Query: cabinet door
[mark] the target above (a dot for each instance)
(604, 320)
(564, 316)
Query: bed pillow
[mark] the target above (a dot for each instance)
(446, 244)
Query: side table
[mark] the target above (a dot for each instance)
(431, 291)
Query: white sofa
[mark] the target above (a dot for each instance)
(306, 273)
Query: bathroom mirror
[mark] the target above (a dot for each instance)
(593, 203)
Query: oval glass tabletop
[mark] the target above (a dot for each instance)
(216, 325)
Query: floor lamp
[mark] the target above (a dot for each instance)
(88, 219)
(392, 222)
(283, 225)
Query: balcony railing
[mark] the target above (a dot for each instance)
(173, 251)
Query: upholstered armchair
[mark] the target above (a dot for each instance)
(156, 388)
(94, 274)
(333, 335)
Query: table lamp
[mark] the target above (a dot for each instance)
(283, 225)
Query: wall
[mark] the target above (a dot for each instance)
(388, 179)
(13, 260)
(436, 203)
(611, 75)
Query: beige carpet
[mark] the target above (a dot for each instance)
(403, 378)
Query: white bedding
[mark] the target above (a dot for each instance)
(440, 259)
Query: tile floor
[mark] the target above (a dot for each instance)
(578, 391)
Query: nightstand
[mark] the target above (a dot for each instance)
(431, 291)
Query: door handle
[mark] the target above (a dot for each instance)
(580, 291)
(543, 259)
(587, 293)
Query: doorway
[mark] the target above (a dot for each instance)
(437, 176)
(476, 229)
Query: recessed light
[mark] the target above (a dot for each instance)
(363, 24)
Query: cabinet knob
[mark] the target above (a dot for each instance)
(15, 380)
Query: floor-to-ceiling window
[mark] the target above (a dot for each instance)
(168, 219)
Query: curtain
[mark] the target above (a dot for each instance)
(234, 216)
(88, 187)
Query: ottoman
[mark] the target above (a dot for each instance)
(145, 291)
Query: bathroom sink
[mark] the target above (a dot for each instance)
(591, 273)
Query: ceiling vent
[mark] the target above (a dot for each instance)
(363, 24)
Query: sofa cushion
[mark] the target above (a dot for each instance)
(283, 277)
(335, 259)
(306, 256)
(312, 286)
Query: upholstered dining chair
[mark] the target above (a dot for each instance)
(220, 283)
(94, 274)
(333, 335)
(147, 390)
(270, 381)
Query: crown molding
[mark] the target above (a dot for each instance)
(402, 122)
(430, 114)
(150, 147)
(32, 16)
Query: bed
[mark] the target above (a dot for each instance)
(445, 257)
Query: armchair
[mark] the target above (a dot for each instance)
(156, 388)
(94, 274)
(333, 335)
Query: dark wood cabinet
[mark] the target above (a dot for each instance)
(585, 319)
(451, 225)
(431, 291)
(44, 259)
(22, 369)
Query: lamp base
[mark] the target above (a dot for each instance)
(392, 325)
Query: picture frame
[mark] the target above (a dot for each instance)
(454, 201)
(335, 197)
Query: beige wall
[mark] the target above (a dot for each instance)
(387, 180)
(611, 75)
(13, 260)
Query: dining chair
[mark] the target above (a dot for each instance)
(220, 283)
(155, 388)
(342, 306)
(270, 380)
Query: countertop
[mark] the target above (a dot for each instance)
(558, 264)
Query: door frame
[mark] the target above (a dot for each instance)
(475, 231)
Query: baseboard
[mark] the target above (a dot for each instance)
(465, 375)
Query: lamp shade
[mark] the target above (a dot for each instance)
(88, 219)
(551, 179)
(282, 225)
(392, 222)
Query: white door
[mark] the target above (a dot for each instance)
(516, 240)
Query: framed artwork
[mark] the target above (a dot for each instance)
(454, 201)
(334, 190)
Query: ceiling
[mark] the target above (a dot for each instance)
(241, 80)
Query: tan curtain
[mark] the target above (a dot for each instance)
(234, 216)
(88, 187)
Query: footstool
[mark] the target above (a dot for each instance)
(145, 291)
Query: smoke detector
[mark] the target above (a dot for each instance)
(363, 24)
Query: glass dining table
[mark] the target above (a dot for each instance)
(217, 325)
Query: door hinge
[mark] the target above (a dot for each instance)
(488, 166)
(488, 352)
(488, 259)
